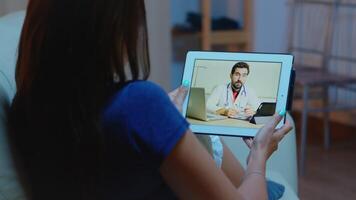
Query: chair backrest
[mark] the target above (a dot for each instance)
(342, 58)
(10, 27)
(322, 35)
(311, 31)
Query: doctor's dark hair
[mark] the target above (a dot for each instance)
(240, 65)
(68, 54)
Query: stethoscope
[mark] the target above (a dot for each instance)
(243, 92)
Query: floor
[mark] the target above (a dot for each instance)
(330, 174)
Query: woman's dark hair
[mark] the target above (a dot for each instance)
(69, 53)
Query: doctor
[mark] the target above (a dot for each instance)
(234, 98)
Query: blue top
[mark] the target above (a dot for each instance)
(142, 127)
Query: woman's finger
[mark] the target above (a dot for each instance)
(173, 93)
(181, 95)
(271, 124)
(281, 132)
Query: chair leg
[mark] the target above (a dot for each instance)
(327, 136)
(304, 129)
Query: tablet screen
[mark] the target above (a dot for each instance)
(232, 92)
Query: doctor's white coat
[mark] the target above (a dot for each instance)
(222, 97)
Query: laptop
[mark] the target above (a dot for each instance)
(197, 106)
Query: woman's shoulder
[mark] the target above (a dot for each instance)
(140, 91)
(137, 95)
(140, 86)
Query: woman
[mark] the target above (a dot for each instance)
(85, 124)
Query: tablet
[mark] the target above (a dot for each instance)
(264, 113)
(228, 89)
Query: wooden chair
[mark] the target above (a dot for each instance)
(314, 40)
(234, 39)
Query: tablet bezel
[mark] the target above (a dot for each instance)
(283, 87)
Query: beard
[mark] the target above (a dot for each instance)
(236, 86)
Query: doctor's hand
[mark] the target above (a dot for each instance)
(267, 139)
(177, 97)
(230, 112)
(249, 112)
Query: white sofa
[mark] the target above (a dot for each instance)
(282, 167)
(10, 27)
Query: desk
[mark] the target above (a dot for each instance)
(225, 122)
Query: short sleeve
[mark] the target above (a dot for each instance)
(153, 125)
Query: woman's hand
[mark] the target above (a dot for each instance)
(267, 139)
(177, 97)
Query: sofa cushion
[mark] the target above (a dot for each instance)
(10, 28)
(9, 185)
